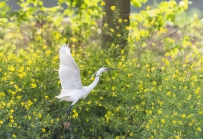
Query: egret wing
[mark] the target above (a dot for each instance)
(69, 72)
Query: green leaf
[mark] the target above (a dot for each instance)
(136, 3)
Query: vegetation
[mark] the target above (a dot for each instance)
(156, 91)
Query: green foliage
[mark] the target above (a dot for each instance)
(155, 91)
(138, 3)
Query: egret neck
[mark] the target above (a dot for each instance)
(89, 88)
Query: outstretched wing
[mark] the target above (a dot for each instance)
(69, 72)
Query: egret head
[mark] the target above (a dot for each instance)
(102, 70)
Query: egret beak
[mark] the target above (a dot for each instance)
(110, 69)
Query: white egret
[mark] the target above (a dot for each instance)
(69, 74)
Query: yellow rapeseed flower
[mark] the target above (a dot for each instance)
(197, 90)
(39, 115)
(1, 122)
(44, 47)
(159, 111)
(33, 85)
(2, 94)
(21, 69)
(19, 97)
(102, 3)
(125, 20)
(14, 136)
(43, 130)
(113, 8)
(120, 20)
(89, 102)
(73, 39)
(11, 68)
(11, 110)
(21, 75)
(199, 129)
(111, 29)
(118, 35)
(48, 52)
(183, 116)
(177, 137)
(148, 7)
(29, 117)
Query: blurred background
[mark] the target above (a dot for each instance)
(195, 6)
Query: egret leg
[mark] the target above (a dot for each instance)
(68, 112)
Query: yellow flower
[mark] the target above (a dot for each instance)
(11, 120)
(118, 35)
(125, 20)
(29, 117)
(147, 126)
(120, 20)
(102, 3)
(44, 47)
(113, 8)
(153, 44)
(131, 134)
(21, 75)
(48, 52)
(183, 115)
(89, 102)
(14, 136)
(73, 39)
(197, 90)
(1, 122)
(174, 121)
(43, 129)
(105, 24)
(33, 85)
(19, 97)
(111, 29)
(22, 103)
(39, 115)
(21, 69)
(11, 110)
(199, 129)
(148, 7)
(127, 85)
(159, 112)
(11, 68)
(2, 94)
(177, 137)
(127, 28)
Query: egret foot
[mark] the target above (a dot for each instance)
(66, 125)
